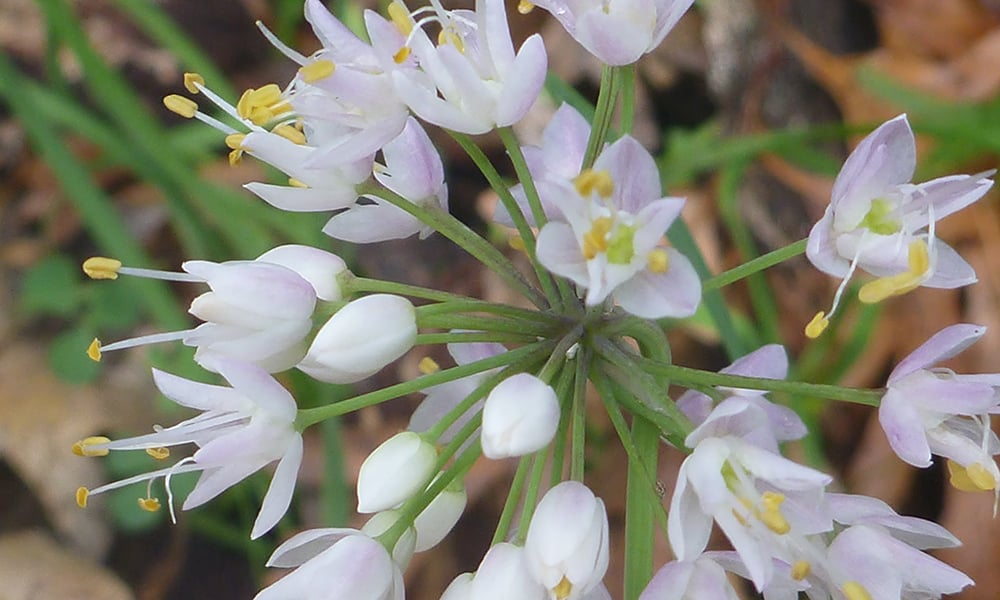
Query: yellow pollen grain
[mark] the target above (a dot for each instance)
(290, 133)
(448, 36)
(192, 81)
(855, 591)
(596, 240)
(101, 267)
(149, 504)
(563, 589)
(295, 183)
(82, 494)
(771, 515)
(180, 105)
(428, 365)
(317, 70)
(800, 570)
(517, 243)
(817, 326)
(401, 55)
(158, 453)
(658, 261)
(82, 447)
(918, 261)
(94, 350)
(591, 181)
(400, 17)
(918, 257)
(974, 478)
(235, 157)
(524, 7)
(234, 141)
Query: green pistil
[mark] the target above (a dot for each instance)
(620, 248)
(877, 220)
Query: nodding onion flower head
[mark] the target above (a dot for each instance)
(258, 311)
(928, 410)
(334, 564)
(607, 242)
(618, 32)
(241, 429)
(879, 222)
(471, 80)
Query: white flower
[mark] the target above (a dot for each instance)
(567, 543)
(504, 574)
(380, 522)
(471, 81)
(257, 311)
(437, 520)
(520, 416)
(241, 429)
(361, 338)
(609, 242)
(618, 32)
(399, 468)
(334, 564)
(697, 579)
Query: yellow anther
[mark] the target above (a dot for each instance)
(235, 157)
(800, 570)
(771, 515)
(234, 141)
(591, 181)
(855, 591)
(81, 497)
(296, 183)
(401, 55)
(563, 589)
(658, 261)
(524, 7)
(192, 81)
(82, 447)
(100, 267)
(742, 520)
(918, 259)
(94, 350)
(149, 504)
(974, 478)
(263, 104)
(428, 365)
(817, 326)
(180, 105)
(596, 240)
(401, 18)
(158, 453)
(449, 36)
(290, 133)
(317, 70)
(517, 243)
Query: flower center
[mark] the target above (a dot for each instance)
(878, 220)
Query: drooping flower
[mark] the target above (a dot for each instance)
(334, 564)
(881, 223)
(520, 416)
(608, 241)
(472, 80)
(567, 544)
(241, 429)
(399, 468)
(257, 311)
(618, 32)
(927, 410)
(692, 579)
(361, 338)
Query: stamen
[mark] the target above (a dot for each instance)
(800, 570)
(192, 81)
(855, 591)
(974, 478)
(919, 264)
(290, 133)
(448, 35)
(289, 52)
(595, 240)
(262, 105)
(658, 261)
(563, 589)
(524, 7)
(401, 55)
(100, 267)
(94, 350)
(296, 183)
(149, 504)
(180, 105)
(144, 340)
(400, 17)
(817, 326)
(82, 494)
(591, 181)
(82, 447)
(317, 70)
(771, 515)
(158, 453)
(428, 365)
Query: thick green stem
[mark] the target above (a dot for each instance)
(465, 337)
(754, 266)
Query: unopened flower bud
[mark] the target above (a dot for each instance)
(520, 416)
(504, 574)
(361, 338)
(402, 552)
(395, 471)
(437, 520)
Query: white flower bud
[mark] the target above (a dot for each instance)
(567, 544)
(460, 588)
(520, 416)
(380, 523)
(435, 521)
(361, 338)
(503, 575)
(319, 267)
(395, 471)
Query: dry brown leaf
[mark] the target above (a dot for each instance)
(34, 567)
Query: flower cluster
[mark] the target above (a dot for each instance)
(590, 214)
